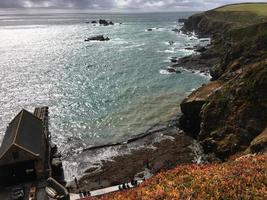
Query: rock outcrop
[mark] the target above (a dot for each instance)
(105, 22)
(192, 105)
(101, 22)
(259, 144)
(236, 113)
(204, 61)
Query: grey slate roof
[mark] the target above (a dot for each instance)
(26, 132)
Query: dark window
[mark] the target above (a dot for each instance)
(15, 155)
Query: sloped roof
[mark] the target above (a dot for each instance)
(26, 132)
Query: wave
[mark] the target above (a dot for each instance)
(171, 50)
(119, 41)
(135, 46)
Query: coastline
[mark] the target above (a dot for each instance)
(211, 107)
(214, 105)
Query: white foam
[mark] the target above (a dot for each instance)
(197, 152)
(193, 37)
(205, 74)
(164, 72)
(70, 170)
(187, 51)
(171, 50)
(193, 89)
(197, 72)
(167, 51)
(161, 29)
(166, 61)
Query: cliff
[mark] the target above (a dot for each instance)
(234, 113)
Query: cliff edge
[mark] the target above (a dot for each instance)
(231, 116)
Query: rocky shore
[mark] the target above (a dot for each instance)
(162, 147)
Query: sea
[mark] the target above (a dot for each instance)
(97, 92)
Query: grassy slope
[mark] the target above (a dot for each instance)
(256, 8)
(245, 178)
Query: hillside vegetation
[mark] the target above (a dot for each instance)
(256, 8)
(226, 18)
(244, 178)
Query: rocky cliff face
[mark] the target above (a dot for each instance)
(229, 115)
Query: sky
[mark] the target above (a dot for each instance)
(121, 5)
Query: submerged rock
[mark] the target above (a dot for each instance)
(201, 49)
(173, 59)
(171, 42)
(97, 38)
(190, 48)
(173, 70)
(176, 30)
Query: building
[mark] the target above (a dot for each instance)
(23, 153)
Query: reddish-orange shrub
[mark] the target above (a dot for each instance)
(244, 178)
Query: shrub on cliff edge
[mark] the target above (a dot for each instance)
(244, 178)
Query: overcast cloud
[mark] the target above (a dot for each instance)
(135, 5)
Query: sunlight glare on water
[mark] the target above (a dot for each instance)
(97, 92)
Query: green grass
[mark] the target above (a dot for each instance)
(256, 8)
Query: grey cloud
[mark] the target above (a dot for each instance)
(120, 4)
(11, 4)
(57, 3)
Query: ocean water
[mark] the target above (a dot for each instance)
(97, 92)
